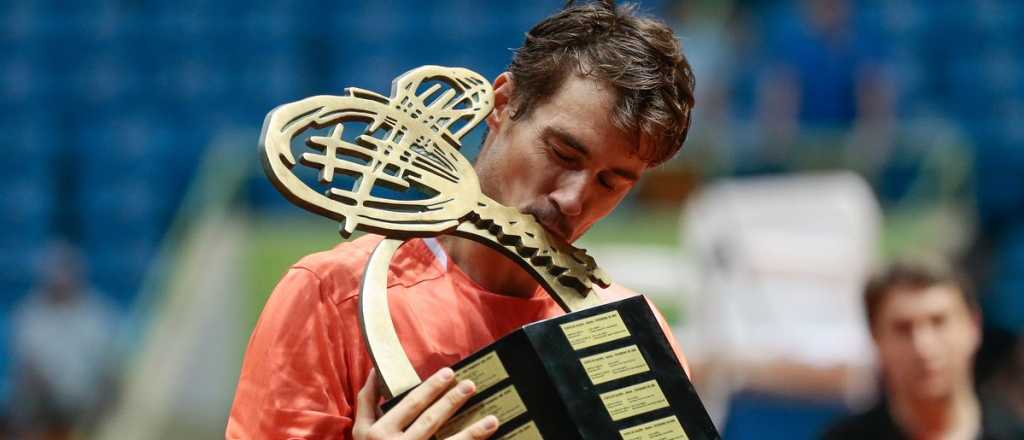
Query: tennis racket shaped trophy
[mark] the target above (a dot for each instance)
(601, 371)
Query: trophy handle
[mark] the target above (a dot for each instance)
(389, 358)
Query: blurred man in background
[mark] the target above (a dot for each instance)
(64, 352)
(927, 328)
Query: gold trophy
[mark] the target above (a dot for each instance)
(407, 178)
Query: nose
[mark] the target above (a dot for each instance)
(570, 193)
(926, 343)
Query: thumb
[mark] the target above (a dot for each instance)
(366, 403)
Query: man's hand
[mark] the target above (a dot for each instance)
(421, 413)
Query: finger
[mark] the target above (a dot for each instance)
(479, 430)
(366, 402)
(418, 399)
(438, 413)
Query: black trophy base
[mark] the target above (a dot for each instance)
(607, 372)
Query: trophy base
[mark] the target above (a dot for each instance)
(607, 372)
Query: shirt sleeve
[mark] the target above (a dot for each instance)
(617, 292)
(671, 337)
(290, 386)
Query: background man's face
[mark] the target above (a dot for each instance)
(926, 339)
(565, 162)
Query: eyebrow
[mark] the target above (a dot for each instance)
(574, 143)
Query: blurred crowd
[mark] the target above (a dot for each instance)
(921, 99)
(108, 107)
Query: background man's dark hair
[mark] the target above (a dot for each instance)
(638, 56)
(913, 277)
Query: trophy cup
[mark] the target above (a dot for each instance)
(602, 371)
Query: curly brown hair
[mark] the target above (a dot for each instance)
(638, 56)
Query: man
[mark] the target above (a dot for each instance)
(927, 328)
(596, 96)
(64, 351)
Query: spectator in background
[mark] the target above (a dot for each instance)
(63, 352)
(706, 28)
(874, 136)
(825, 51)
(774, 139)
(927, 328)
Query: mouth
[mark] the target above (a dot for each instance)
(553, 222)
(561, 233)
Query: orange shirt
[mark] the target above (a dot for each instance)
(306, 359)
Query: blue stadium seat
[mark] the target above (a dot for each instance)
(118, 269)
(27, 209)
(765, 417)
(1003, 305)
(128, 142)
(999, 187)
(18, 272)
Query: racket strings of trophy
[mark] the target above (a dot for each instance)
(398, 172)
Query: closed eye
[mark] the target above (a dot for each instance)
(613, 181)
(568, 159)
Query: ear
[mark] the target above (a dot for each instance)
(504, 91)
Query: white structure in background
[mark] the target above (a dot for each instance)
(779, 265)
(181, 378)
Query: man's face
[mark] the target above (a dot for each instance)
(565, 162)
(926, 339)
